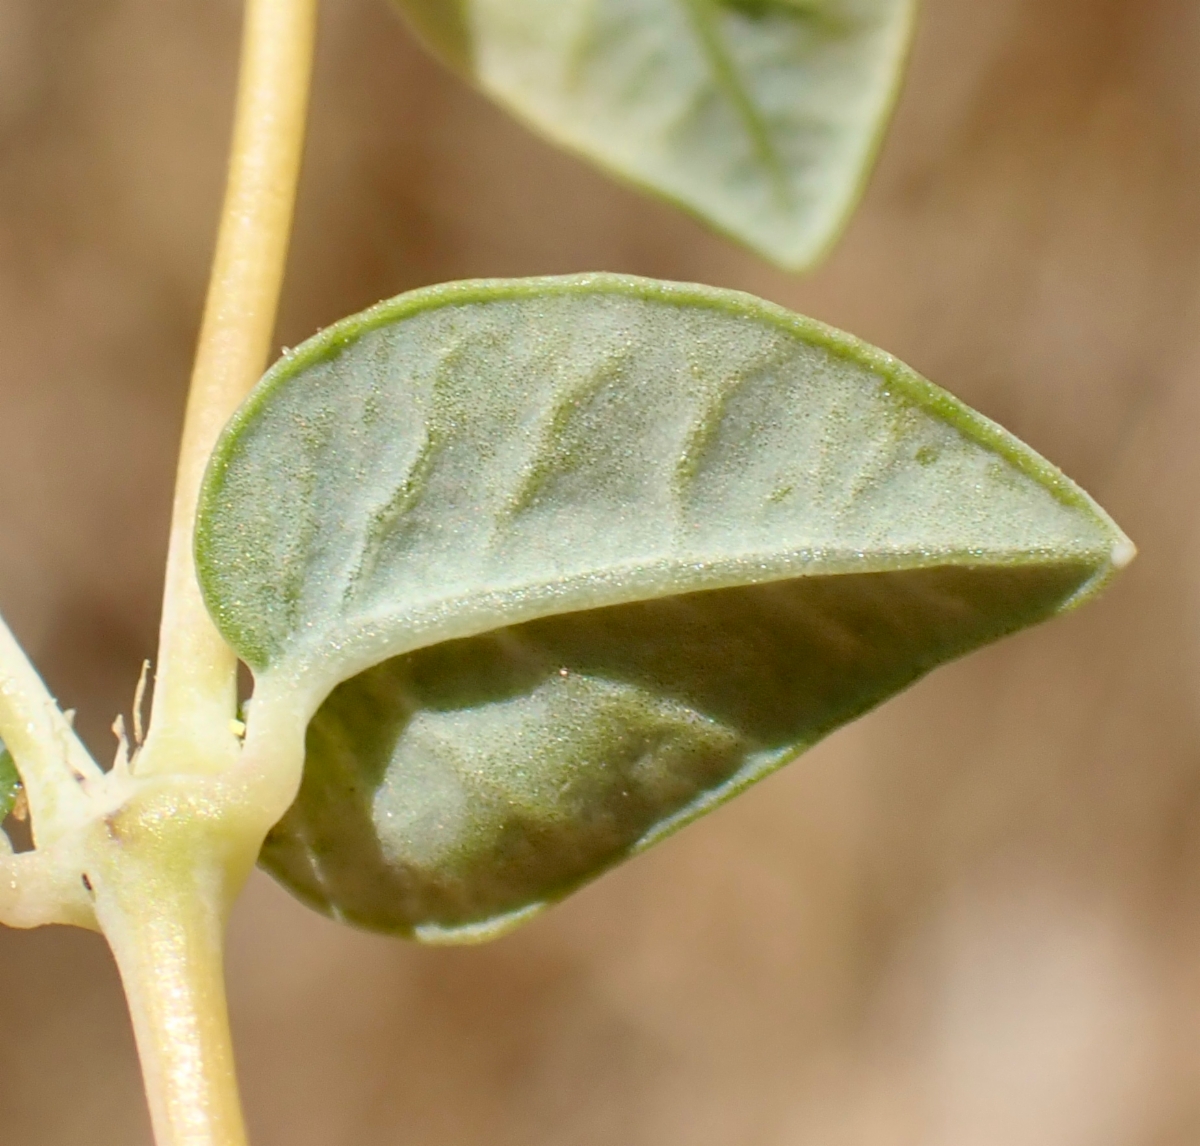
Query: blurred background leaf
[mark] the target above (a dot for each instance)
(762, 117)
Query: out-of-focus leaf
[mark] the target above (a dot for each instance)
(762, 117)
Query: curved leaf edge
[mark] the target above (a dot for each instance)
(872, 151)
(362, 646)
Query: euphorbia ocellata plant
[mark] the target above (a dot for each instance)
(529, 573)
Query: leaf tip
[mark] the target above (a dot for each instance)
(1123, 552)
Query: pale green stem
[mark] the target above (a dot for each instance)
(195, 691)
(161, 898)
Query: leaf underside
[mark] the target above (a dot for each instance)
(762, 117)
(561, 564)
(458, 785)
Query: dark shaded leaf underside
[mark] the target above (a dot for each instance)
(442, 797)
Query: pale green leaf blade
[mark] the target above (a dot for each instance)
(483, 453)
(762, 117)
(515, 492)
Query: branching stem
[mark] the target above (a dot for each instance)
(161, 865)
(154, 857)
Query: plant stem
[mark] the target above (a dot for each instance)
(195, 692)
(162, 868)
(161, 898)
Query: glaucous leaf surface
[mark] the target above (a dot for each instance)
(760, 116)
(10, 782)
(560, 564)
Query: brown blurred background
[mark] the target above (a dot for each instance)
(972, 919)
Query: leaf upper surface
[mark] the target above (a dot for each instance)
(760, 116)
(580, 558)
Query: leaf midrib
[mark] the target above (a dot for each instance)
(703, 16)
(425, 621)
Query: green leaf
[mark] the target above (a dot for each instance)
(762, 117)
(578, 559)
(10, 782)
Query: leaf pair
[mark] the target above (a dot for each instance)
(561, 564)
(762, 117)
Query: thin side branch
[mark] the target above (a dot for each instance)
(42, 887)
(55, 767)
